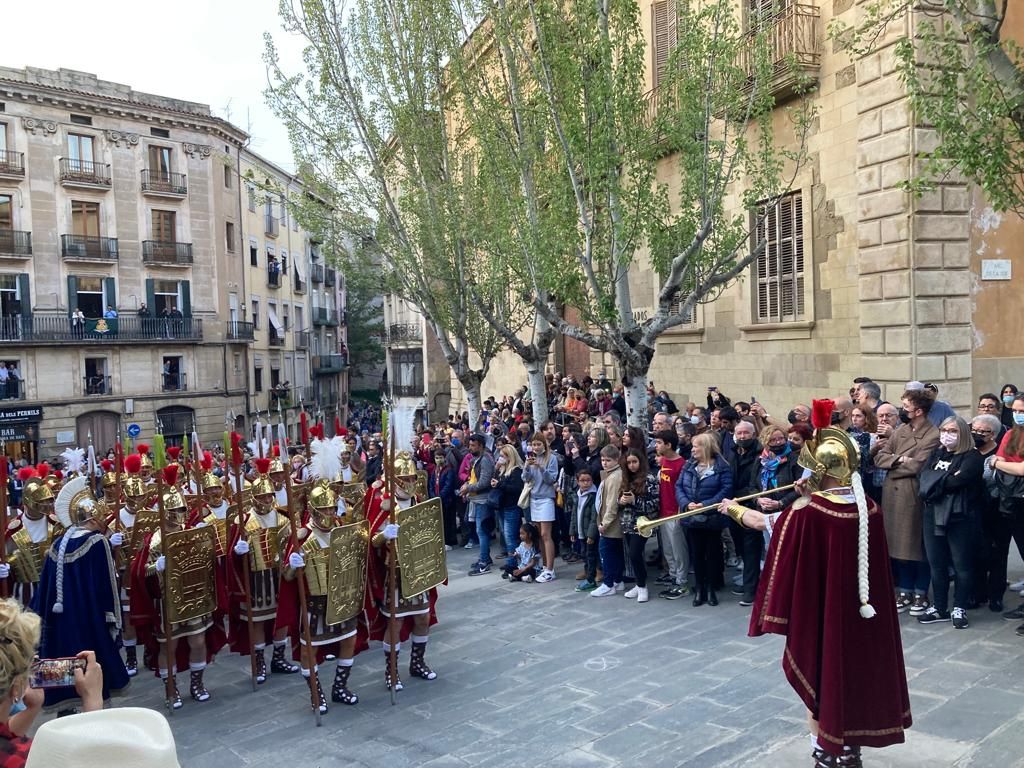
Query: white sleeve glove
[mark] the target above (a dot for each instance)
(391, 531)
(161, 563)
(296, 560)
(200, 524)
(5, 570)
(241, 547)
(116, 539)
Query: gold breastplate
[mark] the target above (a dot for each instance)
(264, 543)
(317, 559)
(220, 531)
(28, 564)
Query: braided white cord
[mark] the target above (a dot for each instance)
(58, 605)
(866, 609)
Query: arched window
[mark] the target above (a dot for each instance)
(176, 421)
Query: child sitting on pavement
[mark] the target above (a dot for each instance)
(527, 556)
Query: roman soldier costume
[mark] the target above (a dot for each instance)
(262, 541)
(126, 543)
(78, 597)
(196, 639)
(108, 483)
(413, 614)
(844, 656)
(332, 559)
(30, 534)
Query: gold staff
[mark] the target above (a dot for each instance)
(645, 526)
(159, 461)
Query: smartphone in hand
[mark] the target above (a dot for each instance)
(55, 673)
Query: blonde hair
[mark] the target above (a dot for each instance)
(710, 443)
(767, 432)
(512, 459)
(19, 636)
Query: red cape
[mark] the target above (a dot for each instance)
(848, 670)
(144, 599)
(376, 578)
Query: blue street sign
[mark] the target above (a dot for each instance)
(134, 430)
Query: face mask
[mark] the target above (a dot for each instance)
(836, 417)
(1008, 399)
(456, 442)
(695, 420)
(1018, 419)
(904, 416)
(745, 444)
(979, 440)
(948, 439)
(794, 447)
(778, 449)
(792, 417)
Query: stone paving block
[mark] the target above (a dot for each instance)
(627, 743)
(685, 745)
(972, 714)
(579, 758)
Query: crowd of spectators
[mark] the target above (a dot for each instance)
(951, 490)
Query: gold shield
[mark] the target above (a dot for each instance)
(346, 570)
(146, 521)
(190, 562)
(421, 547)
(422, 480)
(354, 492)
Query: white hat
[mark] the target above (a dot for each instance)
(130, 736)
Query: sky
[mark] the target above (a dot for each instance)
(209, 51)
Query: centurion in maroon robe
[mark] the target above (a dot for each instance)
(848, 670)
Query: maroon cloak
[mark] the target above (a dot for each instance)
(848, 670)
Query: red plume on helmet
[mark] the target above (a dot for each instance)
(207, 461)
(337, 425)
(108, 465)
(171, 474)
(317, 431)
(58, 474)
(143, 449)
(821, 413)
(275, 451)
(133, 464)
(26, 473)
(42, 469)
(263, 466)
(174, 452)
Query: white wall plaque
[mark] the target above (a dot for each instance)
(996, 269)
(66, 438)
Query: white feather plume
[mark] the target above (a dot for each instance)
(62, 504)
(74, 459)
(325, 461)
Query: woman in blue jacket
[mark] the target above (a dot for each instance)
(706, 479)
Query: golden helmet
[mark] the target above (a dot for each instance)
(276, 465)
(36, 489)
(833, 453)
(262, 485)
(147, 460)
(174, 501)
(109, 479)
(76, 505)
(322, 496)
(211, 481)
(404, 465)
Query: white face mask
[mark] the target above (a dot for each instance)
(695, 420)
(948, 439)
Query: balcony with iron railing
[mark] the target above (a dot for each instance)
(83, 248)
(306, 394)
(240, 331)
(164, 184)
(15, 244)
(302, 339)
(84, 173)
(271, 226)
(167, 253)
(324, 365)
(12, 389)
(407, 390)
(330, 277)
(174, 382)
(275, 339)
(12, 163)
(298, 284)
(280, 395)
(404, 333)
(58, 328)
(324, 316)
(793, 52)
(96, 385)
(329, 399)
(274, 277)
(316, 273)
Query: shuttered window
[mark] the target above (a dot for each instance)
(664, 36)
(780, 269)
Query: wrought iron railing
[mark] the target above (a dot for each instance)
(240, 331)
(271, 226)
(330, 277)
(273, 278)
(12, 163)
(276, 339)
(302, 339)
(407, 390)
(316, 273)
(96, 385)
(399, 332)
(84, 172)
(59, 328)
(92, 248)
(167, 252)
(172, 382)
(326, 364)
(15, 243)
(163, 182)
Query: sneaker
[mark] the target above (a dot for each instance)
(932, 616)
(665, 579)
(746, 601)
(903, 602)
(960, 618)
(480, 568)
(545, 577)
(732, 562)
(586, 586)
(447, 547)
(919, 606)
(619, 586)
(642, 595)
(632, 593)
(505, 575)
(603, 591)
(1016, 614)
(1020, 630)
(675, 593)
(470, 545)
(737, 592)
(528, 578)
(1017, 586)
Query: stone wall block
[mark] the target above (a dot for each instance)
(895, 116)
(872, 341)
(888, 203)
(869, 233)
(869, 179)
(955, 199)
(958, 311)
(871, 288)
(929, 312)
(887, 314)
(889, 368)
(942, 283)
(897, 340)
(928, 227)
(894, 229)
(956, 255)
(943, 340)
(958, 366)
(888, 146)
(928, 255)
(896, 285)
(869, 68)
(884, 259)
(895, 172)
(931, 368)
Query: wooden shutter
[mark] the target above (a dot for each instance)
(150, 297)
(186, 298)
(659, 38)
(110, 292)
(780, 268)
(72, 294)
(23, 295)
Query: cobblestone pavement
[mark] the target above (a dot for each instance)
(534, 674)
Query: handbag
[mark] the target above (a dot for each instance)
(524, 497)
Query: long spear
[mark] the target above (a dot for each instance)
(159, 460)
(4, 586)
(300, 579)
(236, 465)
(389, 485)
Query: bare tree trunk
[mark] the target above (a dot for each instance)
(636, 399)
(535, 379)
(473, 400)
